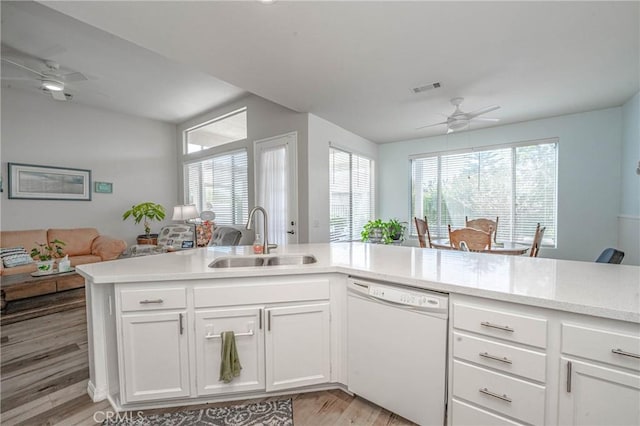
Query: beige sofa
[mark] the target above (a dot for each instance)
(83, 245)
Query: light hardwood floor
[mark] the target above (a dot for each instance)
(44, 372)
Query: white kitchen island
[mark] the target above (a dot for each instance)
(562, 310)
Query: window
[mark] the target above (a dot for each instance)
(517, 183)
(219, 131)
(219, 183)
(351, 194)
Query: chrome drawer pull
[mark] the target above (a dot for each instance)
(499, 327)
(625, 353)
(218, 336)
(497, 358)
(503, 397)
(146, 301)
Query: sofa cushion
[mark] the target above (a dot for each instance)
(83, 260)
(77, 240)
(28, 239)
(108, 248)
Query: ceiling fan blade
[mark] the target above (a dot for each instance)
(431, 125)
(75, 76)
(58, 95)
(485, 119)
(482, 111)
(23, 67)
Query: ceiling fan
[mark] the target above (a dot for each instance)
(51, 78)
(459, 120)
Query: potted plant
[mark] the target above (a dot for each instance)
(146, 212)
(374, 231)
(45, 254)
(379, 231)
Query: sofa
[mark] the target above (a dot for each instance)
(82, 245)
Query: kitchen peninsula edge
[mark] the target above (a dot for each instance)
(605, 291)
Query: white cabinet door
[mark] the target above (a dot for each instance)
(595, 395)
(246, 323)
(298, 351)
(155, 355)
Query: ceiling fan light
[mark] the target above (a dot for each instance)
(458, 124)
(52, 85)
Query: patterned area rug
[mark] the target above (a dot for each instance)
(274, 413)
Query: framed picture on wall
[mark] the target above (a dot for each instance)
(35, 182)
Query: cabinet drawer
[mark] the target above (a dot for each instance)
(507, 395)
(504, 325)
(242, 294)
(153, 298)
(466, 415)
(507, 358)
(599, 345)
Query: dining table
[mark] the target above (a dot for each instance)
(506, 247)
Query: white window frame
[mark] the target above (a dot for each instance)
(185, 132)
(548, 241)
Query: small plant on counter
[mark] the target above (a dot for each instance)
(379, 231)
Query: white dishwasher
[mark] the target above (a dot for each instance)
(397, 349)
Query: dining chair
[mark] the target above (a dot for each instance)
(537, 240)
(422, 226)
(483, 224)
(474, 239)
(610, 255)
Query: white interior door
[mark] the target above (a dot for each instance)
(276, 186)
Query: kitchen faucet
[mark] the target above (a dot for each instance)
(265, 246)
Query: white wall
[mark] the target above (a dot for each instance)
(264, 119)
(137, 155)
(589, 190)
(322, 133)
(629, 220)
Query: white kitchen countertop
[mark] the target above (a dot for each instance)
(603, 290)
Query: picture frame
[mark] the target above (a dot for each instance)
(38, 182)
(103, 187)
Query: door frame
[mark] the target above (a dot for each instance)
(293, 169)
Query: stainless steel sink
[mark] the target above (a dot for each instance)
(237, 262)
(243, 262)
(291, 259)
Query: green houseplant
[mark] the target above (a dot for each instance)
(45, 254)
(146, 212)
(379, 231)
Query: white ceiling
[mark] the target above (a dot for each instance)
(352, 63)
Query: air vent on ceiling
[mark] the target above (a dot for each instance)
(426, 87)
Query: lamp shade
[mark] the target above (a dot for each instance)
(185, 212)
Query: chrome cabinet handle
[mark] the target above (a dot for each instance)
(260, 320)
(625, 353)
(146, 301)
(269, 321)
(181, 325)
(499, 327)
(569, 376)
(503, 397)
(497, 358)
(219, 336)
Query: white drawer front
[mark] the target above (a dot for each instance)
(507, 358)
(241, 294)
(153, 298)
(466, 415)
(510, 396)
(508, 326)
(599, 345)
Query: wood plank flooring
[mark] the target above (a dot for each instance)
(44, 371)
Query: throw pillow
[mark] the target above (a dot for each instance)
(15, 256)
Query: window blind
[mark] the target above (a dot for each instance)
(516, 183)
(220, 184)
(351, 193)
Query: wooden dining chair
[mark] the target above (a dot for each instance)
(475, 239)
(422, 226)
(483, 224)
(537, 240)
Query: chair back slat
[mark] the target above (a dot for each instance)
(422, 227)
(537, 240)
(474, 239)
(483, 224)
